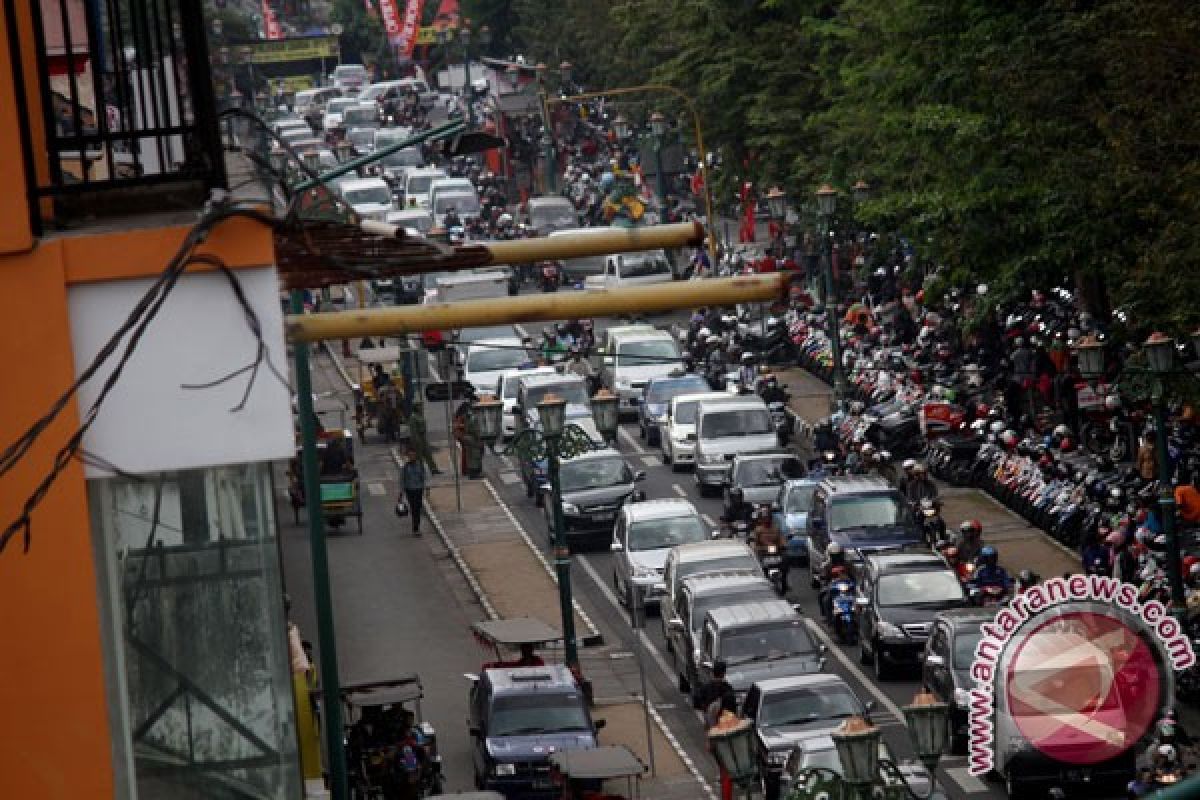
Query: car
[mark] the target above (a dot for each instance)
(531, 388)
(687, 560)
(395, 165)
(767, 639)
(416, 219)
(550, 213)
(820, 753)
(458, 194)
(788, 711)
(678, 437)
(898, 597)
(757, 478)
(632, 269)
(632, 358)
(698, 595)
(486, 359)
(725, 430)
(506, 390)
(656, 396)
(593, 487)
(863, 515)
(349, 78)
(946, 666)
(362, 140)
(415, 187)
(308, 99)
(576, 270)
(360, 115)
(790, 513)
(371, 198)
(642, 537)
(519, 716)
(333, 112)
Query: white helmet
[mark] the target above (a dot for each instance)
(834, 549)
(908, 464)
(1167, 752)
(505, 220)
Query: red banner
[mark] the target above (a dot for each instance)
(391, 20)
(408, 29)
(271, 26)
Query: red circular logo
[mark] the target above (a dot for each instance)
(1083, 687)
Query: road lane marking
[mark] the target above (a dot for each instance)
(510, 478)
(631, 441)
(376, 489)
(836, 650)
(679, 490)
(709, 521)
(651, 461)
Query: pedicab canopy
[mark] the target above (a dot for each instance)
(396, 691)
(515, 632)
(598, 763)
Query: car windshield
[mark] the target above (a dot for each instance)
(964, 649)
(588, 265)
(408, 157)
(827, 758)
(766, 642)
(762, 471)
(685, 413)
(461, 203)
(419, 184)
(704, 604)
(594, 473)
(361, 138)
(359, 116)
(422, 222)
(340, 104)
(379, 195)
(804, 706)
(554, 216)
(648, 353)
(658, 534)
(663, 391)
(526, 715)
(799, 499)
(688, 568)
(574, 393)
(478, 334)
(735, 423)
(919, 588)
(641, 265)
(866, 511)
(490, 359)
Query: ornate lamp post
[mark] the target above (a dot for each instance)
(556, 440)
(861, 191)
(826, 205)
(658, 128)
(605, 410)
(734, 749)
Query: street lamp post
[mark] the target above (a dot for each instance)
(551, 172)
(826, 204)
(658, 127)
(556, 440)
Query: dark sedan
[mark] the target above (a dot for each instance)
(593, 488)
(652, 410)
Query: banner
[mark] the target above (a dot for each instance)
(271, 26)
(282, 50)
(391, 20)
(427, 34)
(408, 30)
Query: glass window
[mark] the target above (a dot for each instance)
(866, 511)
(774, 640)
(647, 353)
(189, 567)
(462, 203)
(377, 195)
(685, 413)
(408, 157)
(663, 391)
(736, 423)
(594, 473)
(799, 499)
(519, 715)
(490, 359)
(657, 534)
(919, 587)
(802, 706)
(340, 104)
(419, 184)
(964, 649)
(642, 265)
(556, 216)
(762, 471)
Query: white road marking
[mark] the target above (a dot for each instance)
(651, 461)
(631, 441)
(521, 333)
(433, 370)
(709, 521)
(376, 489)
(679, 490)
(884, 700)
(510, 478)
(965, 780)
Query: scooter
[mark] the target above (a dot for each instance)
(771, 560)
(841, 605)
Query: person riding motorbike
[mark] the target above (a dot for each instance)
(989, 573)
(771, 391)
(905, 475)
(835, 567)
(747, 373)
(552, 348)
(1097, 556)
(1026, 580)
(970, 540)
(578, 365)
(451, 219)
(739, 510)
(919, 486)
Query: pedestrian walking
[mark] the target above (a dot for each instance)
(418, 437)
(412, 481)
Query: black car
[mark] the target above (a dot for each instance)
(757, 478)
(946, 666)
(652, 411)
(899, 596)
(593, 487)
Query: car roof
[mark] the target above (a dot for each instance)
(810, 681)
(643, 334)
(770, 455)
(735, 403)
(680, 377)
(697, 397)
(603, 452)
(550, 200)
(544, 379)
(959, 618)
(525, 680)
(422, 171)
(504, 342)
(709, 551)
(412, 213)
(362, 183)
(849, 484)
(792, 483)
(753, 613)
(885, 563)
(518, 372)
(732, 581)
(659, 508)
(452, 183)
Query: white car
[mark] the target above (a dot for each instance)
(415, 219)
(416, 186)
(506, 390)
(632, 269)
(371, 198)
(487, 359)
(333, 112)
(361, 116)
(632, 359)
(453, 193)
(643, 536)
(678, 437)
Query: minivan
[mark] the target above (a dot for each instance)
(553, 213)
(453, 193)
(632, 359)
(415, 187)
(632, 269)
(863, 515)
(723, 431)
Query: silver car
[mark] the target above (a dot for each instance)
(643, 536)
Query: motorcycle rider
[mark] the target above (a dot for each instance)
(1097, 557)
(552, 348)
(578, 365)
(771, 391)
(835, 567)
(989, 573)
(905, 475)
(747, 373)
(970, 541)
(919, 486)
(715, 362)
(451, 219)
(767, 535)
(739, 510)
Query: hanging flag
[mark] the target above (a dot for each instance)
(411, 23)
(391, 20)
(271, 26)
(447, 14)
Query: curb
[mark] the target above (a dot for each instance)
(594, 638)
(337, 363)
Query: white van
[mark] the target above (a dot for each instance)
(371, 198)
(349, 78)
(632, 359)
(453, 193)
(415, 187)
(725, 430)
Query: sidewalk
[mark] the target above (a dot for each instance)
(511, 578)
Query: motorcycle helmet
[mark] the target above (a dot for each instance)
(997, 427)
(748, 359)
(1009, 439)
(703, 334)
(1067, 445)
(712, 340)
(988, 555)
(1061, 432)
(829, 457)
(971, 528)
(1112, 402)
(834, 552)
(919, 470)
(1114, 498)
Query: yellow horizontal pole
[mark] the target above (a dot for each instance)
(400, 320)
(596, 241)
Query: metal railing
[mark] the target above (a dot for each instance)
(126, 100)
